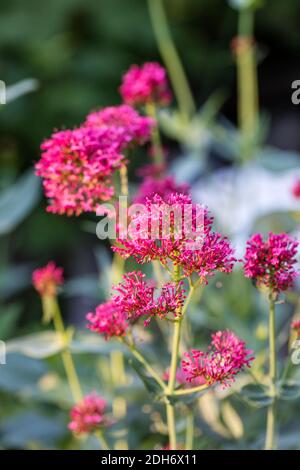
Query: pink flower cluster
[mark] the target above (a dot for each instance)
(88, 415)
(129, 126)
(144, 84)
(76, 167)
(108, 319)
(164, 187)
(46, 280)
(271, 262)
(139, 298)
(203, 251)
(225, 357)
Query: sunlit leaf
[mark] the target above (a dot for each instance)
(17, 201)
(37, 345)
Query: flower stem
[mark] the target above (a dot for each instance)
(270, 431)
(188, 391)
(189, 438)
(173, 369)
(171, 58)
(247, 74)
(124, 180)
(102, 440)
(67, 357)
(158, 153)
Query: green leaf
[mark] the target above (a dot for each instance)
(37, 345)
(278, 160)
(17, 201)
(8, 319)
(256, 395)
(21, 88)
(42, 431)
(289, 390)
(94, 344)
(151, 385)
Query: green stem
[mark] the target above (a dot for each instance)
(270, 431)
(171, 58)
(174, 356)
(124, 180)
(67, 357)
(158, 153)
(102, 440)
(188, 391)
(173, 369)
(247, 74)
(189, 439)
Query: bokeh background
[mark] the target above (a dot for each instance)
(75, 53)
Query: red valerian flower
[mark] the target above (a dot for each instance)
(225, 357)
(46, 280)
(164, 187)
(271, 262)
(76, 167)
(176, 230)
(109, 320)
(296, 189)
(88, 415)
(139, 298)
(128, 124)
(144, 84)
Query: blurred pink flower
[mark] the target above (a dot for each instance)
(163, 187)
(88, 415)
(144, 84)
(46, 280)
(128, 124)
(151, 169)
(225, 357)
(139, 298)
(76, 167)
(296, 327)
(296, 189)
(271, 262)
(108, 319)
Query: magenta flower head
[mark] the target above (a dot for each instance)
(163, 187)
(88, 415)
(46, 280)
(139, 298)
(145, 84)
(226, 356)
(271, 262)
(76, 167)
(127, 123)
(109, 320)
(175, 230)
